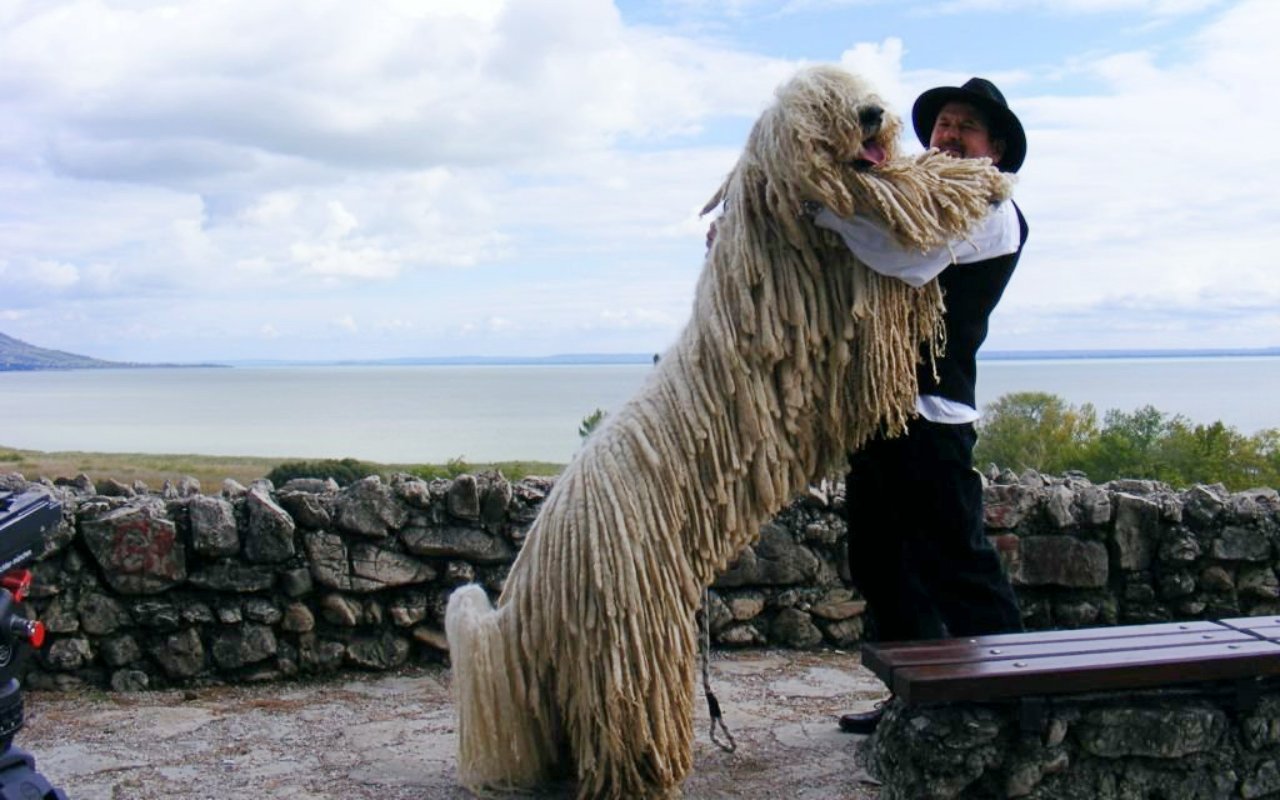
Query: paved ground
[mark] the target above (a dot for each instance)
(391, 737)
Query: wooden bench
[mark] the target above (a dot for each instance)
(1041, 663)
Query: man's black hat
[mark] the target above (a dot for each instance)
(983, 94)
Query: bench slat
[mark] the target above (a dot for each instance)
(1265, 627)
(1125, 669)
(953, 651)
(883, 658)
(1245, 623)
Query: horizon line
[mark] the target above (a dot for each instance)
(637, 358)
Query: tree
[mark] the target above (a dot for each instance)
(1129, 446)
(1040, 431)
(1034, 430)
(590, 422)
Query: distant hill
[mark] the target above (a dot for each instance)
(16, 354)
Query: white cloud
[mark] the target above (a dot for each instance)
(332, 260)
(1146, 190)
(48, 275)
(219, 173)
(1154, 8)
(341, 221)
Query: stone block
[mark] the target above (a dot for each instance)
(469, 544)
(269, 538)
(845, 632)
(181, 654)
(776, 560)
(1217, 579)
(1259, 582)
(233, 576)
(101, 615)
(794, 628)
(309, 511)
(327, 554)
(1240, 543)
(1202, 504)
(374, 568)
(120, 650)
(196, 612)
(408, 610)
(138, 549)
(130, 680)
(320, 655)
(1095, 506)
(341, 610)
(1005, 506)
(1059, 506)
(213, 527)
(247, 644)
(368, 507)
(1167, 733)
(1062, 561)
(384, 652)
(463, 498)
(298, 619)
(69, 654)
(494, 501)
(1136, 529)
(431, 637)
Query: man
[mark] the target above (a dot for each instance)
(918, 551)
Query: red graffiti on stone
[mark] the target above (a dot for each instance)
(139, 547)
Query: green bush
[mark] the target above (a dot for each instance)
(1036, 430)
(1042, 432)
(450, 469)
(344, 471)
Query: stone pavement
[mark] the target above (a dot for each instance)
(391, 736)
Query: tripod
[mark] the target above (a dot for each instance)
(19, 779)
(24, 520)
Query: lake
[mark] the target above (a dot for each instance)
(430, 414)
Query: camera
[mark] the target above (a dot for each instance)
(24, 520)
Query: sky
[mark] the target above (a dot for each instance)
(322, 179)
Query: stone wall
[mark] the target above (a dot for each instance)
(143, 588)
(1201, 743)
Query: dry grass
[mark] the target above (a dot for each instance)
(151, 469)
(211, 471)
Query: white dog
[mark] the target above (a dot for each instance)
(795, 354)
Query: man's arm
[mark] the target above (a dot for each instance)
(997, 234)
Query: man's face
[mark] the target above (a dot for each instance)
(961, 130)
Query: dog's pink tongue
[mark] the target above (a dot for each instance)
(872, 151)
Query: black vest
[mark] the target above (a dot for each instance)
(970, 292)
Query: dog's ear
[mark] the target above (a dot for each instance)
(716, 198)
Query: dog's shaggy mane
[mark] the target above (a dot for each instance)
(795, 354)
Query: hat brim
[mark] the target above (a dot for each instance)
(1004, 122)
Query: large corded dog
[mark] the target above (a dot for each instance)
(794, 355)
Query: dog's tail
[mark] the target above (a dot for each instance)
(506, 731)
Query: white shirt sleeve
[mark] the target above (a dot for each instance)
(997, 234)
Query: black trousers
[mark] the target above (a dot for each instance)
(918, 550)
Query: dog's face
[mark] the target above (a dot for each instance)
(873, 151)
(830, 131)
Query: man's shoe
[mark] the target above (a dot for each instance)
(864, 722)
